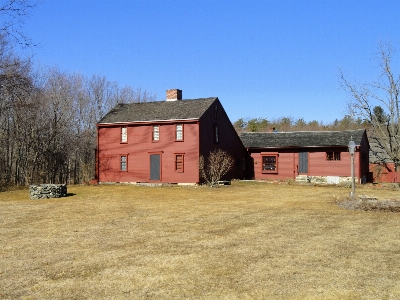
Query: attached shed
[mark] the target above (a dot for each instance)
(319, 156)
(381, 166)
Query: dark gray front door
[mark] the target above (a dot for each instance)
(303, 162)
(155, 166)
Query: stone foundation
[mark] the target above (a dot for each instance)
(45, 191)
(324, 179)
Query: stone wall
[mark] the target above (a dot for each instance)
(324, 179)
(44, 191)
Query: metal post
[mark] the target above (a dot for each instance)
(352, 147)
(353, 180)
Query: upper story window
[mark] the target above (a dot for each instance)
(216, 133)
(216, 111)
(156, 132)
(332, 155)
(179, 132)
(270, 163)
(124, 135)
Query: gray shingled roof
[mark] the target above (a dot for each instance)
(158, 111)
(300, 138)
(377, 153)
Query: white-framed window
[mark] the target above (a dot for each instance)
(179, 132)
(124, 135)
(269, 163)
(156, 132)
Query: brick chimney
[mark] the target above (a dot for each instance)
(174, 94)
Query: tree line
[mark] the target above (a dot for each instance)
(48, 120)
(290, 124)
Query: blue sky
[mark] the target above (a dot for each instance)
(262, 58)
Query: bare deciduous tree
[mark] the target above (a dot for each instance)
(48, 120)
(377, 102)
(215, 166)
(129, 95)
(13, 14)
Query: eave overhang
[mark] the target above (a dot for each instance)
(148, 122)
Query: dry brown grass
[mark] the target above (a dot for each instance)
(245, 241)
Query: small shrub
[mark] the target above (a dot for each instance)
(218, 163)
(290, 181)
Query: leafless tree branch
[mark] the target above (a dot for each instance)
(217, 164)
(382, 94)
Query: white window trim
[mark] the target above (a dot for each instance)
(124, 134)
(156, 132)
(179, 138)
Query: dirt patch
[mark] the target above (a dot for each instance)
(367, 203)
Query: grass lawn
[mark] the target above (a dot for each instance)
(245, 241)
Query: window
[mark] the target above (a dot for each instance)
(179, 163)
(156, 133)
(124, 135)
(179, 132)
(216, 111)
(123, 163)
(270, 163)
(216, 134)
(332, 155)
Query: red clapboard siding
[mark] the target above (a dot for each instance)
(384, 172)
(138, 149)
(318, 165)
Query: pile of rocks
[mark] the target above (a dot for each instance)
(370, 203)
(44, 191)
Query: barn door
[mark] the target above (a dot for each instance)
(155, 167)
(303, 162)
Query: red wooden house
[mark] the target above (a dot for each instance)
(162, 141)
(313, 156)
(381, 167)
